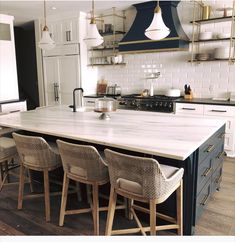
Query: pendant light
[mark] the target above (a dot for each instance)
(46, 42)
(93, 37)
(157, 30)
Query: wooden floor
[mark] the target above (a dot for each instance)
(217, 219)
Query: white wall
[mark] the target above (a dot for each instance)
(206, 79)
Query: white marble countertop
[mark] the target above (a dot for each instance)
(159, 134)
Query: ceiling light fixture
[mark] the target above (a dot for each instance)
(157, 30)
(46, 42)
(93, 37)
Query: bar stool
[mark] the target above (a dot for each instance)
(36, 154)
(83, 163)
(144, 180)
(7, 153)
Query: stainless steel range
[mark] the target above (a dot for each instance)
(157, 103)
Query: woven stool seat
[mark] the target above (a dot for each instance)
(38, 155)
(7, 148)
(84, 164)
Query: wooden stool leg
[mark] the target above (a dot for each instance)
(78, 189)
(47, 194)
(95, 210)
(21, 187)
(152, 204)
(64, 199)
(30, 180)
(179, 201)
(111, 211)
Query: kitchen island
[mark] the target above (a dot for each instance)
(196, 144)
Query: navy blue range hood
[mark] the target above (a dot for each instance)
(135, 40)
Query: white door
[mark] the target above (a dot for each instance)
(69, 77)
(52, 81)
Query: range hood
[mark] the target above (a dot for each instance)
(135, 40)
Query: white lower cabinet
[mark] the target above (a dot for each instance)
(213, 111)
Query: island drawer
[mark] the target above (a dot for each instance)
(190, 109)
(219, 110)
(205, 170)
(217, 178)
(202, 199)
(210, 145)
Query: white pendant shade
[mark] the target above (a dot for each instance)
(157, 29)
(93, 37)
(46, 42)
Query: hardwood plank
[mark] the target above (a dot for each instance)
(7, 230)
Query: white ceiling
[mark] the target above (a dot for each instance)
(25, 11)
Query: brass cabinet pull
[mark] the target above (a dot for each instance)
(205, 200)
(207, 172)
(218, 179)
(220, 155)
(221, 136)
(210, 148)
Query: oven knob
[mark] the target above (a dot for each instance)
(165, 104)
(160, 104)
(156, 104)
(151, 105)
(146, 105)
(170, 105)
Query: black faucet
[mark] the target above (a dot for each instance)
(74, 102)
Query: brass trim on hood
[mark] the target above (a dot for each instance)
(152, 50)
(147, 41)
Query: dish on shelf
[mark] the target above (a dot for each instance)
(203, 56)
(223, 35)
(222, 53)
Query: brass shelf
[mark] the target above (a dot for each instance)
(112, 33)
(211, 40)
(221, 19)
(118, 64)
(233, 60)
(104, 49)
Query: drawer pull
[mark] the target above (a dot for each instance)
(207, 172)
(193, 109)
(205, 200)
(220, 155)
(90, 101)
(218, 179)
(221, 136)
(210, 148)
(218, 111)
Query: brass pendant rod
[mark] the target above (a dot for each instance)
(45, 20)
